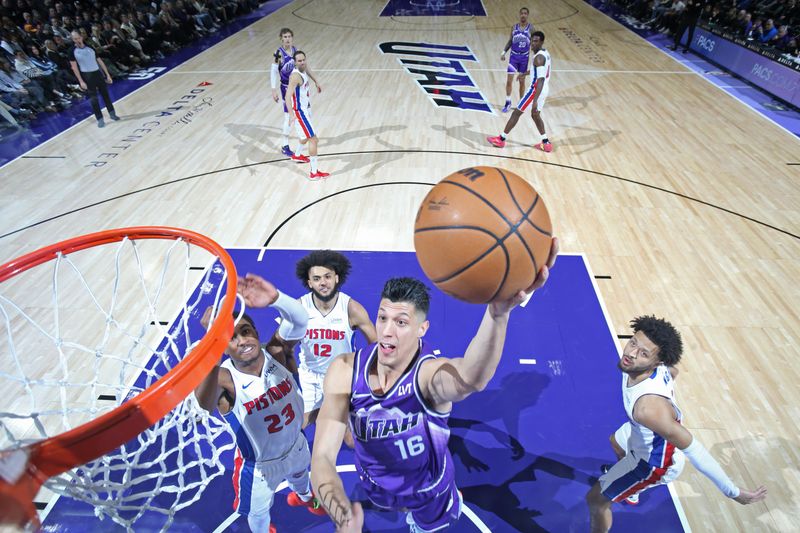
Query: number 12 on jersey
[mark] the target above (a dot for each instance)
(411, 447)
(322, 350)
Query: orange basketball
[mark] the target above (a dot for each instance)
(482, 234)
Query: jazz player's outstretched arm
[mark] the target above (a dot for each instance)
(446, 380)
(331, 424)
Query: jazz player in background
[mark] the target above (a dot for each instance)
(520, 45)
(300, 113)
(258, 397)
(281, 69)
(333, 317)
(397, 396)
(653, 444)
(534, 97)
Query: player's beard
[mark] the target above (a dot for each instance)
(329, 297)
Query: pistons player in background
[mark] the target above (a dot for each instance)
(333, 317)
(279, 72)
(396, 396)
(257, 396)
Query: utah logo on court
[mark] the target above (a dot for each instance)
(441, 74)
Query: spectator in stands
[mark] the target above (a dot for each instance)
(58, 29)
(65, 81)
(687, 20)
(768, 32)
(750, 26)
(20, 90)
(782, 39)
(25, 66)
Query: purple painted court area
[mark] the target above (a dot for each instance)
(48, 125)
(433, 8)
(758, 100)
(527, 448)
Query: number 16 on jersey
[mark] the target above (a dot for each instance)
(411, 447)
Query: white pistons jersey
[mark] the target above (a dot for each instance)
(327, 335)
(643, 442)
(268, 412)
(544, 70)
(300, 98)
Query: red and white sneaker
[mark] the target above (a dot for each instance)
(312, 506)
(273, 529)
(496, 141)
(300, 158)
(318, 175)
(544, 147)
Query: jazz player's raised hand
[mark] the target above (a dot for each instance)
(256, 291)
(499, 308)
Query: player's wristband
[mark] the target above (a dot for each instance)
(294, 318)
(709, 467)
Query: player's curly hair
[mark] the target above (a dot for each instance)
(324, 258)
(662, 334)
(408, 290)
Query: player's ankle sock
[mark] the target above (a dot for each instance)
(305, 497)
(508, 101)
(313, 164)
(502, 136)
(544, 139)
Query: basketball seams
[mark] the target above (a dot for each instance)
(482, 199)
(475, 279)
(490, 249)
(499, 241)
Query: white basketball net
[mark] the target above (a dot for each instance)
(96, 339)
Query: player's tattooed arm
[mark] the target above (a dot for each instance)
(331, 426)
(335, 503)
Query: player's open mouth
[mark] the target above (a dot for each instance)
(386, 348)
(246, 350)
(626, 361)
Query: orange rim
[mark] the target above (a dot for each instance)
(55, 455)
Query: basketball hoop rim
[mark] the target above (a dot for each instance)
(60, 453)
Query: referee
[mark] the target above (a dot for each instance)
(86, 66)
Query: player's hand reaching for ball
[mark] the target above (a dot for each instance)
(256, 291)
(746, 497)
(353, 521)
(499, 308)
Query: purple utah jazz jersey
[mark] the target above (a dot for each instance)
(521, 41)
(285, 63)
(400, 442)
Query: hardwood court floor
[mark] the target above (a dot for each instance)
(678, 192)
